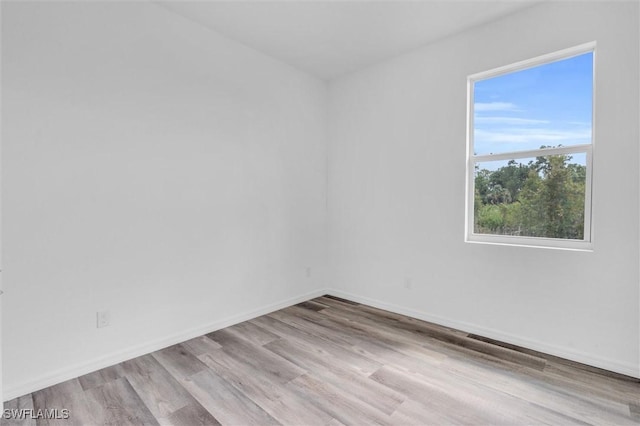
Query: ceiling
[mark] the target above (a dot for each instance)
(333, 37)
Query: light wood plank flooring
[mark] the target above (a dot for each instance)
(331, 362)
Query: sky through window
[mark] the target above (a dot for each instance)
(550, 105)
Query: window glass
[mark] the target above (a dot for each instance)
(530, 152)
(550, 104)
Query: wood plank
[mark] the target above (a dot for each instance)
(600, 386)
(161, 393)
(201, 345)
(278, 401)
(335, 422)
(66, 395)
(634, 411)
(385, 330)
(117, 403)
(346, 354)
(370, 341)
(312, 306)
(429, 331)
(339, 299)
(541, 389)
(225, 402)
(570, 366)
(398, 322)
(462, 408)
(252, 333)
(539, 399)
(315, 324)
(256, 357)
(412, 413)
(325, 366)
(100, 377)
(178, 361)
(337, 402)
(193, 414)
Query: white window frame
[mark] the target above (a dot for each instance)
(554, 243)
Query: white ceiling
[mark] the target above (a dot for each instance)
(333, 37)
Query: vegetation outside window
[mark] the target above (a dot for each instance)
(530, 149)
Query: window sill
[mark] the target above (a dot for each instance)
(532, 242)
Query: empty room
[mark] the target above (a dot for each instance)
(320, 212)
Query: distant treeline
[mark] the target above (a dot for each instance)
(544, 198)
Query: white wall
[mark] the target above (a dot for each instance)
(154, 169)
(396, 193)
(178, 179)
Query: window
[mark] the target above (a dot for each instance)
(530, 152)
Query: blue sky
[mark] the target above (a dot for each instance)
(549, 105)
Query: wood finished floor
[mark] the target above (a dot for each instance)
(331, 362)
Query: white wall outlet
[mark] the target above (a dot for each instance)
(308, 271)
(103, 318)
(408, 283)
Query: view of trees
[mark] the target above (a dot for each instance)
(541, 198)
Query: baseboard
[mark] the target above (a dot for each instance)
(148, 347)
(143, 349)
(561, 352)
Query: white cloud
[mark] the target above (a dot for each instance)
(532, 135)
(494, 106)
(507, 120)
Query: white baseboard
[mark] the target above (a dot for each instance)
(148, 347)
(631, 370)
(116, 357)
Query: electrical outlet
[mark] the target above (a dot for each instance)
(103, 318)
(408, 283)
(308, 271)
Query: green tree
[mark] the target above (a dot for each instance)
(553, 199)
(544, 198)
(511, 177)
